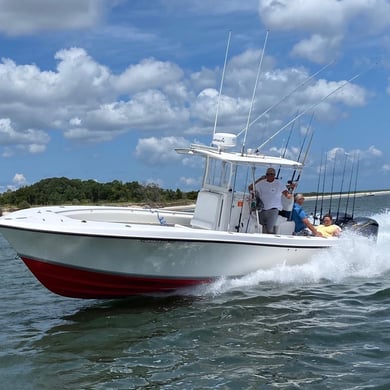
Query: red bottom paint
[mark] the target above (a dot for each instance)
(79, 283)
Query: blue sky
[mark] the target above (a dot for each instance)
(104, 90)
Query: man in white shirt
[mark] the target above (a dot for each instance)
(270, 191)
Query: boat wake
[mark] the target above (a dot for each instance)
(356, 258)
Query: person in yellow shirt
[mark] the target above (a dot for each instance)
(328, 228)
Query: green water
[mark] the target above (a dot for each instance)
(324, 325)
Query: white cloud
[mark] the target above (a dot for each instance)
(75, 121)
(34, 140)
(82, 134)
(335, 153)
(145, 110)
(347, 93)
(148, 74)
(88, 103)
(274, 89)
(366, 157)
(214, 7)
(327, 22)
(386, 168)
(25, 83)
(79, 98)
(36, 148)
(154, 151)
(19, 179)
(231, 111)
(126, 33)
(80, 77)
(306, 15)
(318, 48)
(205, 78)
(373, 151)
(190, 181)
(32, 16)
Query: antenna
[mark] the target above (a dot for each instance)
(285, 97)
(310, 108)
(220, 87)
(254, 91)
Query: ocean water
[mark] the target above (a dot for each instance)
(323, 325)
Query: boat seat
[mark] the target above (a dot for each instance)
(207, 210)
(283, 226)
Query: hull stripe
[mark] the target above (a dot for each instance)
(79, 283)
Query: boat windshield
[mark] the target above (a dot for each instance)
(218, 173)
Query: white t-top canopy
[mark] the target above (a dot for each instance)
(252, 159)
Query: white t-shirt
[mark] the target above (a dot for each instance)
(270, 193)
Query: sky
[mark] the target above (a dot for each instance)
(105, 90)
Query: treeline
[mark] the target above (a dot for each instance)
(74, 191)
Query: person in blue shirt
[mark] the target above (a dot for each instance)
(303, 227)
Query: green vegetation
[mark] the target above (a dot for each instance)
(62, 190)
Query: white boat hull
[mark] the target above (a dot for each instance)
(98, 258)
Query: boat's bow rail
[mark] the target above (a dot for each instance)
(130, 215)
(101, 214)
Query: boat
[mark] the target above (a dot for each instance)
(112, 252)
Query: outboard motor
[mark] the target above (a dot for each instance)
(365, 226)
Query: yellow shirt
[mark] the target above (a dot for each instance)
(328, 231)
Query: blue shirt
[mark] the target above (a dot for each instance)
(298, 214)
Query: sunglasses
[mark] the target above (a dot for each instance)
(270, 174)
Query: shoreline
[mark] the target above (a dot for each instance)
(5, 211)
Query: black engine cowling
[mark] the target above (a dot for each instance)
(365, 226)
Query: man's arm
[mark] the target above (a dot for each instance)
(311, 227)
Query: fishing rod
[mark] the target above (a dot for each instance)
(318, 189)
(255, 200)
(303, 163)
(220, 87)
(304, 158)
(354, 195)
(237, 227)
(285, 147)
(254, 92)
(323, 185)
(331, 187)
(303, 144)
(341, 186)
(349, 187)
(299, 155)
(286, 96)
(311, 108)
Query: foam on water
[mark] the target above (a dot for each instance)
(357, 258)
